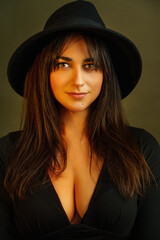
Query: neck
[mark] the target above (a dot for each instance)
(74, 124)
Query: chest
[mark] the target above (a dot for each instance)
(45, 211)
(76, 185)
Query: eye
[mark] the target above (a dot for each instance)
(90, 66)
(62, 65)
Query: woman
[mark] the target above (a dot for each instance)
(77, 170)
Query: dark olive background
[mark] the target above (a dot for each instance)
(139, 20)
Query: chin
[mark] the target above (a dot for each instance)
(76, 109)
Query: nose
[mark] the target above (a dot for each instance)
(78, 77)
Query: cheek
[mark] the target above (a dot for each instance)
(54, 82)
(53, 85)
(58, 80)
(97, 84)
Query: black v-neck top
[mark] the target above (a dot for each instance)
(109, 216)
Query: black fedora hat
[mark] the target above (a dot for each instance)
(78, 15)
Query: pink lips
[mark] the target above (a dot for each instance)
(77, 95)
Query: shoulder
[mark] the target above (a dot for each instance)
(149, 147)
(9, 140)
(7, 144)
(145, 140)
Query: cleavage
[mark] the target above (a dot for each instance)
(75, 188)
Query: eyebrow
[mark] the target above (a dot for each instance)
(70, 59)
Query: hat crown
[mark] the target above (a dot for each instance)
(73, 11)
(78, 15)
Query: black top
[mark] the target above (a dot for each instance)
(109, 216)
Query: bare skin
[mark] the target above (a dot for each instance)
(75, 186)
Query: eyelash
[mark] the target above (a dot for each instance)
(58, 65)
(92, 65)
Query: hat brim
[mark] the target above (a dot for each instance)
(124, 54)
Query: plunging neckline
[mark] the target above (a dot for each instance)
(55, 195)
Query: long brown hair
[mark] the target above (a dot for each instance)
(107, 131)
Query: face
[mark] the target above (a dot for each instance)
(76, 82)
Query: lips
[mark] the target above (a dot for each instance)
(77, 95)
